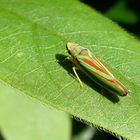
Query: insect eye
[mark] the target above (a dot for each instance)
(68, 50)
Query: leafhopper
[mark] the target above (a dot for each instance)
(87, 62)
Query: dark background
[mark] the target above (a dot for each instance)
(125, 12)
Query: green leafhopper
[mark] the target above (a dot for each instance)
(85, 61)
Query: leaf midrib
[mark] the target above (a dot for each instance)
(30, 20)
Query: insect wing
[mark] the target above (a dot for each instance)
(89, 64)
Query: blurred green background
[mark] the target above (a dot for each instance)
(125, 12)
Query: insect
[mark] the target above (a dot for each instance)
(87, 62)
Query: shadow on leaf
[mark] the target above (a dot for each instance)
(67, 65)
(1, 136)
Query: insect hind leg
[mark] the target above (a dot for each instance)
(74, 70)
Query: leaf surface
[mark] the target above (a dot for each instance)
(33, 37)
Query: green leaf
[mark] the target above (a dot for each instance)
(33, 37)
(25, 119)
(86, 134)
(120, 11)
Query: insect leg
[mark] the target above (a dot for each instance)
(74, 70)
(67, 58)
